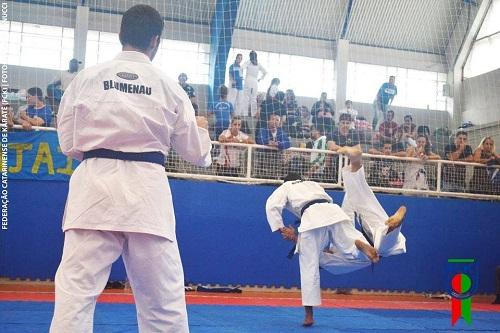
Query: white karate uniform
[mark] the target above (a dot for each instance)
(321, 225)
(251, 84)
(325, 225)
(118, 207)
(359, 198)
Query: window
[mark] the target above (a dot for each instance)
(307, 77)
(484, 57)
(416, 89)
(101, 47)
(176, 57)
(173, 57)
(35, 45)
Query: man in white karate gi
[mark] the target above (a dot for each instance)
(120, 118)
(327, 237)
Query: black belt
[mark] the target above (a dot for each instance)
(151, 157)
(307, 205)
(310, 203)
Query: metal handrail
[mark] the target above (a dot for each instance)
(342, 162)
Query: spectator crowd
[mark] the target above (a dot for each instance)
(275, 119)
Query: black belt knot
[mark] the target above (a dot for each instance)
(310, 203)
(155, 157)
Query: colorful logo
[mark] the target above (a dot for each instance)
(462, 277)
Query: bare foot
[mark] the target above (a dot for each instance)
(396, 220)
(349, 151)
(367, 249)
(355, 156)
(308, 320)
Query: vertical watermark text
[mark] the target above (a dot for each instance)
(4, 144)
(5, 10)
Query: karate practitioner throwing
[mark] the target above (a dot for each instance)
(327, 237)
(120, 118)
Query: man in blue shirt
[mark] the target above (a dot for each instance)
(269, 163)
(223, 112)
(236, 96)
(385, 96)
(273, 136)
(37, 113)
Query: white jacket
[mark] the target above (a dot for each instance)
(126, 105)
(296, 194)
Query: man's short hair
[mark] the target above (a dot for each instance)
(461, 133)
(35, 91)
(272, 114)
(345, 116)
(223, 91)
(408, 116)
(291, 176)
(139, 24)
(390, 111)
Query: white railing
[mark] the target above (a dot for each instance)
(36, 128)
(263, 165)
(252, 172)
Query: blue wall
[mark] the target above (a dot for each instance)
(224, 238)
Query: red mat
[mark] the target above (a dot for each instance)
(221, 299)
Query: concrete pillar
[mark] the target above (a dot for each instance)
(341, 62)
(81, 29)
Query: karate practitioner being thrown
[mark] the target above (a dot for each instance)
(327, 237)
(120, 118)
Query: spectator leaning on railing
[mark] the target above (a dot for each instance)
(415, 174)
(37, 113)
(229, 160)
(454, 175)
(317, 160)
(482, 181)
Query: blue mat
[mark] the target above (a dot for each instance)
(34, 317)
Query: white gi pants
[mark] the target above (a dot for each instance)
(237, 98)
(359, 198)
(251, 91)
(311, 245)
(153, 267)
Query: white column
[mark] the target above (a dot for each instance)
(458, 95)
(341, 62)
(81, 29)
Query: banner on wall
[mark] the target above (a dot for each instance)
(37, 156)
